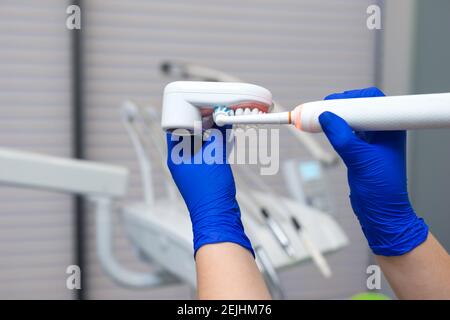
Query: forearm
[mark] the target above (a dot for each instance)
(228, 271)
(423, 273)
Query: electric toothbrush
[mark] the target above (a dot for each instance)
(188, 102)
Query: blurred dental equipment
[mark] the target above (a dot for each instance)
(158, 227)
(186, 103)
(140, 220)
(102, 184)
(278, 233)
(189, 71)
(312, 249)
(316, 255)
(306, 182)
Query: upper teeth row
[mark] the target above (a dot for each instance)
(242, 111)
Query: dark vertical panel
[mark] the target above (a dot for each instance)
(430, 156)
(78, 147)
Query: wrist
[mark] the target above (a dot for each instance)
(214, 236)
(221, 223)
(400, 240)
(395, 234)
(391, 227)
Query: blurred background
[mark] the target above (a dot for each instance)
(60, 93)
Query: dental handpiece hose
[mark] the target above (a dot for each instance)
(425, 111)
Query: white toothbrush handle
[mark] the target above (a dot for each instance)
(425, 111)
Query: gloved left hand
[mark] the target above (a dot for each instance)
(208, 190)
(376, 163)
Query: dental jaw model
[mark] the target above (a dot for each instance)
(189, 104)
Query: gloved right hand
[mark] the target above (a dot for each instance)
(209, 191)
(376, 163)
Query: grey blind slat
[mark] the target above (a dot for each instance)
(35, 226)
(301, 49)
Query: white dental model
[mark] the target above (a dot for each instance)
(190, 104)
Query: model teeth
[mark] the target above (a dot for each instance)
(225, 111)
(246, 111)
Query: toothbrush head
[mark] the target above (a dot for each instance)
(190, 105)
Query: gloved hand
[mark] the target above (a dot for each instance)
(376, 163)
(208, 190)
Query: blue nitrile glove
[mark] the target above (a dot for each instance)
(209, 192)
(376, 163)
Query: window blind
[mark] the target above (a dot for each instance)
(35, 226)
